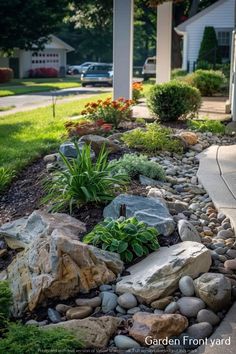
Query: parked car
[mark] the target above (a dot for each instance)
(149, 68)
(101, 74)
(79, 69)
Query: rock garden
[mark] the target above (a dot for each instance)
(125, 249)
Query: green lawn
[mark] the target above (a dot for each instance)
(18, 87)
(25, 136)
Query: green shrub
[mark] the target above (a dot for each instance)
(134, 165)
(5, 178)
(128, 237)
(154, 138)
(173, 100)
(213, 126)
(207, 82)
(176, 73)
(5, 301)
(209, 49)
(26, 339)
(83, 181)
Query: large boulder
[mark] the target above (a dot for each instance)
(157, 275)
(156, 326)
(58, 266)
(214, 289)
(152, 211)
(97, 142)
(21, 232)
(93, 332)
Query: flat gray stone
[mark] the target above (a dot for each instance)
(201, 330)
(152, 211)
(125, 342)
(186, 286)
(190, 306)
(209, 316)
(109, 301)
(188, 232)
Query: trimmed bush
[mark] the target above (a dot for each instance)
(209, 49)
(173, 100)
(155, 138)
(6, 75)
(207, 82)
(43, 72)
(26, 339)
(134, 165)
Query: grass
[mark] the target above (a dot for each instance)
(18, 87)
(25, 136)
(6, 108)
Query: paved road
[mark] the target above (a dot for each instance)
(34, 100)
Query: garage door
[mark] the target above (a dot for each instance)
(45, 59)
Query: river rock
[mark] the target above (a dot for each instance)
(230, 264)
(158, 274)
(152, 211)
(127, 301)
(187, 231)
(79, 312)
(69, 150)
(190, 306)
(58, 266)
(125, 342)
(162, 303)
(21, 232)
(97, 142)
(186, 286)
(94, 302)
(201, 330)
(208, 316)
(109, 301)
(62, 308)
(54, 316)
(156, 326)
(172, 307)
(94, 332)
(214, 289)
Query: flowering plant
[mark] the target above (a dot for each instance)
(137, 90)
(85, 127)
(112, 112)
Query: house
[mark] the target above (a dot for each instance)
(54, 55)
(222, 16)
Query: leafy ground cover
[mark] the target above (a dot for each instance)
(18, 87)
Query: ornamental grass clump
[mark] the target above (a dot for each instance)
(113, 112)
(135, 165)
(128, 237)
(83, 181)
(153, 139)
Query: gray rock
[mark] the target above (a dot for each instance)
(186, 286)
(109, 301)
(188, 232)
(171, 308)
(158, 312)
(133, 310)
(127, 301)
(231, 253)
(105, 287)
(208, 316)
(214, 289)
(225, 234)
(62, 308)
(97, 142)
(146, 181)
(190, 306)
(200, 330)
(152, 211)
(54, 316)
(69, 150)
(94, 302)
(124, 342)
(32, 323)
(120, 309)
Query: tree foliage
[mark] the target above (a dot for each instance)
(209, 50)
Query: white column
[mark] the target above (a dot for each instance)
(164, 36)
(123, 48)
(185, 51)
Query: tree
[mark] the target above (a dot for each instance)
(26, 24)
(209, 50)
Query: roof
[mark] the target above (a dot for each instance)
(182, 26)
(56, 42)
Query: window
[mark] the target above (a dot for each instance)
(224, 41)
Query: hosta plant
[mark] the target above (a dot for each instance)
(128, 237)
(83, 181)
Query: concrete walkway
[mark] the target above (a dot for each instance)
(217, 173)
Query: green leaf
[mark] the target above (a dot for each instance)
(137, 249)
(122, 246)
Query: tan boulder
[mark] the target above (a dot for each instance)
(58, 266)
(189, 138)
(93, 332)
(157, 326)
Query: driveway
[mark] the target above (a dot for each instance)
(34, 100)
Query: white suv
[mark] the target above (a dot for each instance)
(149, 68)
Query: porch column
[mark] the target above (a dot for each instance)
(122, 48)
(164, 36)
(185, 52)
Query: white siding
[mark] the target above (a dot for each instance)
(223, 16)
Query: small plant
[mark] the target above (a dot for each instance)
(83, 181)
(134, 165)
(207, 82)
(137, 88)
(5, 178)
(154, 138)
(113, 112)
(84, 127)
(5, 302)
(128, 237)
(213, 126)
(26, 339)
(176, 73)
(173, 100)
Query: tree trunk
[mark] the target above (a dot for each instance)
(194, 8)
(176, 56)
